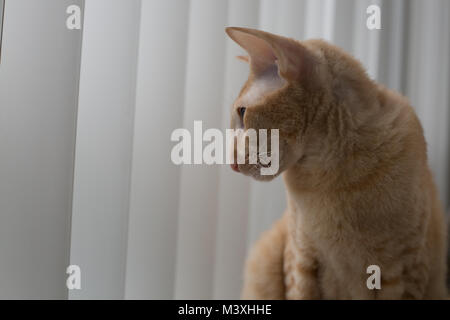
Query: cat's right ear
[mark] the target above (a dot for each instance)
(266, 50)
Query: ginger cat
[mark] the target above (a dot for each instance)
(354, 162)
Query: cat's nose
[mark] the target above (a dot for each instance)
(235, 167)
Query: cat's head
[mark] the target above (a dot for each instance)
(295, 87)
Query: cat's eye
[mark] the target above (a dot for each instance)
(241, 112)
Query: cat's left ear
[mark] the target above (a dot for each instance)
(243, 58)
(265, 50)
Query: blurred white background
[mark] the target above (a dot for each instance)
(85, 124)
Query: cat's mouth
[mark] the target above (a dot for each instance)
(253, 170)
(235, 166)
(265, 165)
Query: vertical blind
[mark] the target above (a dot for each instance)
(143, 227)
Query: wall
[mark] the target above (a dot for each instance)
(2, 3)
(38, 103)
(103, 152)
(151, 257)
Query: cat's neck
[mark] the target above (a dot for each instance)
(381, 153)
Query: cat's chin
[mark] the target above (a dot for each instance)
(264, 178)
(261, 177)
(257, 172)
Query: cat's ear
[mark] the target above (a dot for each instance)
(243, 58)
(265, 49)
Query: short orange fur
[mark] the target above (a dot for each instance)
(359, 188)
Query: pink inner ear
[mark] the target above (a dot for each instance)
(261, 53)
(266, 50)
